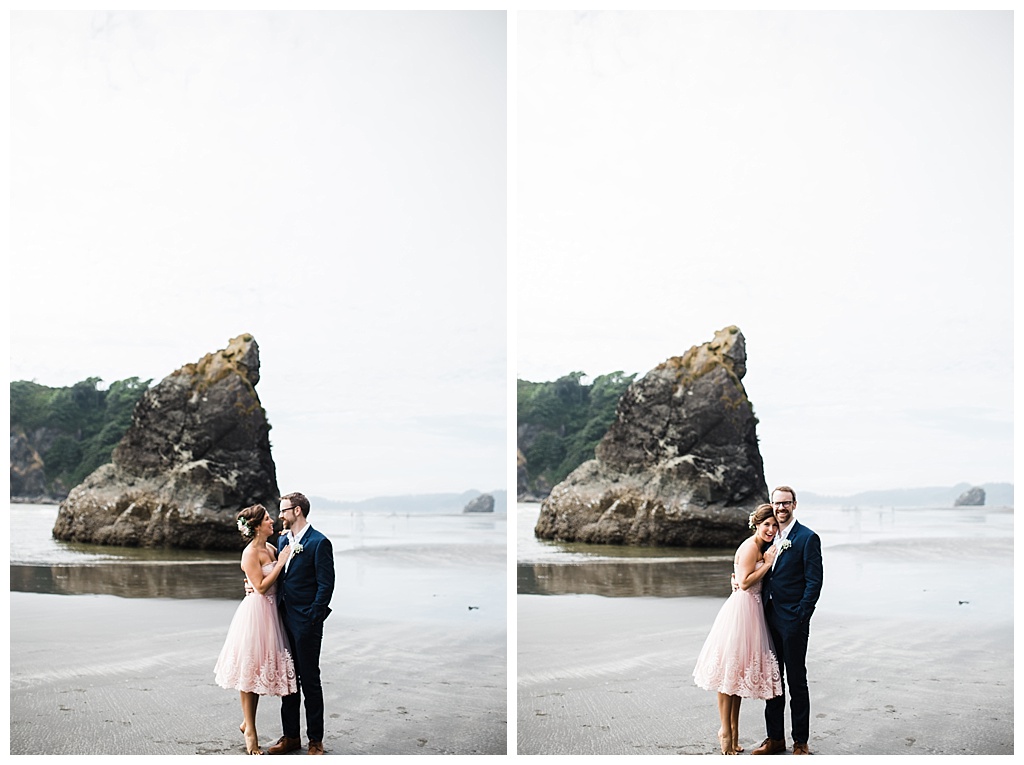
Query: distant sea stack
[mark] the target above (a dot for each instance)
(197, 452)
(482, 504)
(680, 466)
(973, 497)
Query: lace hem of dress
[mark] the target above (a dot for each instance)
(758, 680)
(270, 677)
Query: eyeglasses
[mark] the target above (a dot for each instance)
(291, 507)
(787, 503)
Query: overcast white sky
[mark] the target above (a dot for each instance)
(838, 185)
(333, 183)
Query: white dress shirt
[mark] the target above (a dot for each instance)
(292, 541)
(777, 542)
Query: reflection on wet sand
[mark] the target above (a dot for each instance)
(133, 580)
(624, 579)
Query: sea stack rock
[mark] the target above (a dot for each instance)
(197, 452)
(973, 497)
(680, 465)
(482, 504)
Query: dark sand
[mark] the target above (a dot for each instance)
(99, 674)
(897, 664)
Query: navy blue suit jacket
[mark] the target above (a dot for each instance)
(304, 590)
(794, 584)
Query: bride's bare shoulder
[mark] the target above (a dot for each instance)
(747, 549)
(250, 553)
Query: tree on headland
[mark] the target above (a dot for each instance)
(73, 430)
(561, 422)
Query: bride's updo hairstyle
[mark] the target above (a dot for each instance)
(249, 519)
(759, 516)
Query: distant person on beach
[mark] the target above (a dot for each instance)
(737, 659)
(255, 659)
(790, 593)
(304, 601)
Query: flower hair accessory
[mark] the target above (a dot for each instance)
(750, 520)
(244, 527)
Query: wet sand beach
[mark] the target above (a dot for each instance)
(106, 675)
(911, 652)
(408, 666)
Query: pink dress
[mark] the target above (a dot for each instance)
(255, 656)
(738, 657)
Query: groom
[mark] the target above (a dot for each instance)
(789, 593)
(303, 598)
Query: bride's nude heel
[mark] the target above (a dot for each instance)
(252, 750)
(252, 746)
(726, 743)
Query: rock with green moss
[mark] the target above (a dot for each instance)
(680, 466)
(197, 451)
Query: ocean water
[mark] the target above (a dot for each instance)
(559, 568)
(383, 561)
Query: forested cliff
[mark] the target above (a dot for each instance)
(558, 425)
(60, 435)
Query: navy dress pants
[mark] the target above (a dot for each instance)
(790, 639)
(305, 642)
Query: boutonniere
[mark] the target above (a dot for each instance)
(298, 548)
(784, 545)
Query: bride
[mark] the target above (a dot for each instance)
(255, 659)
(738, 658)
